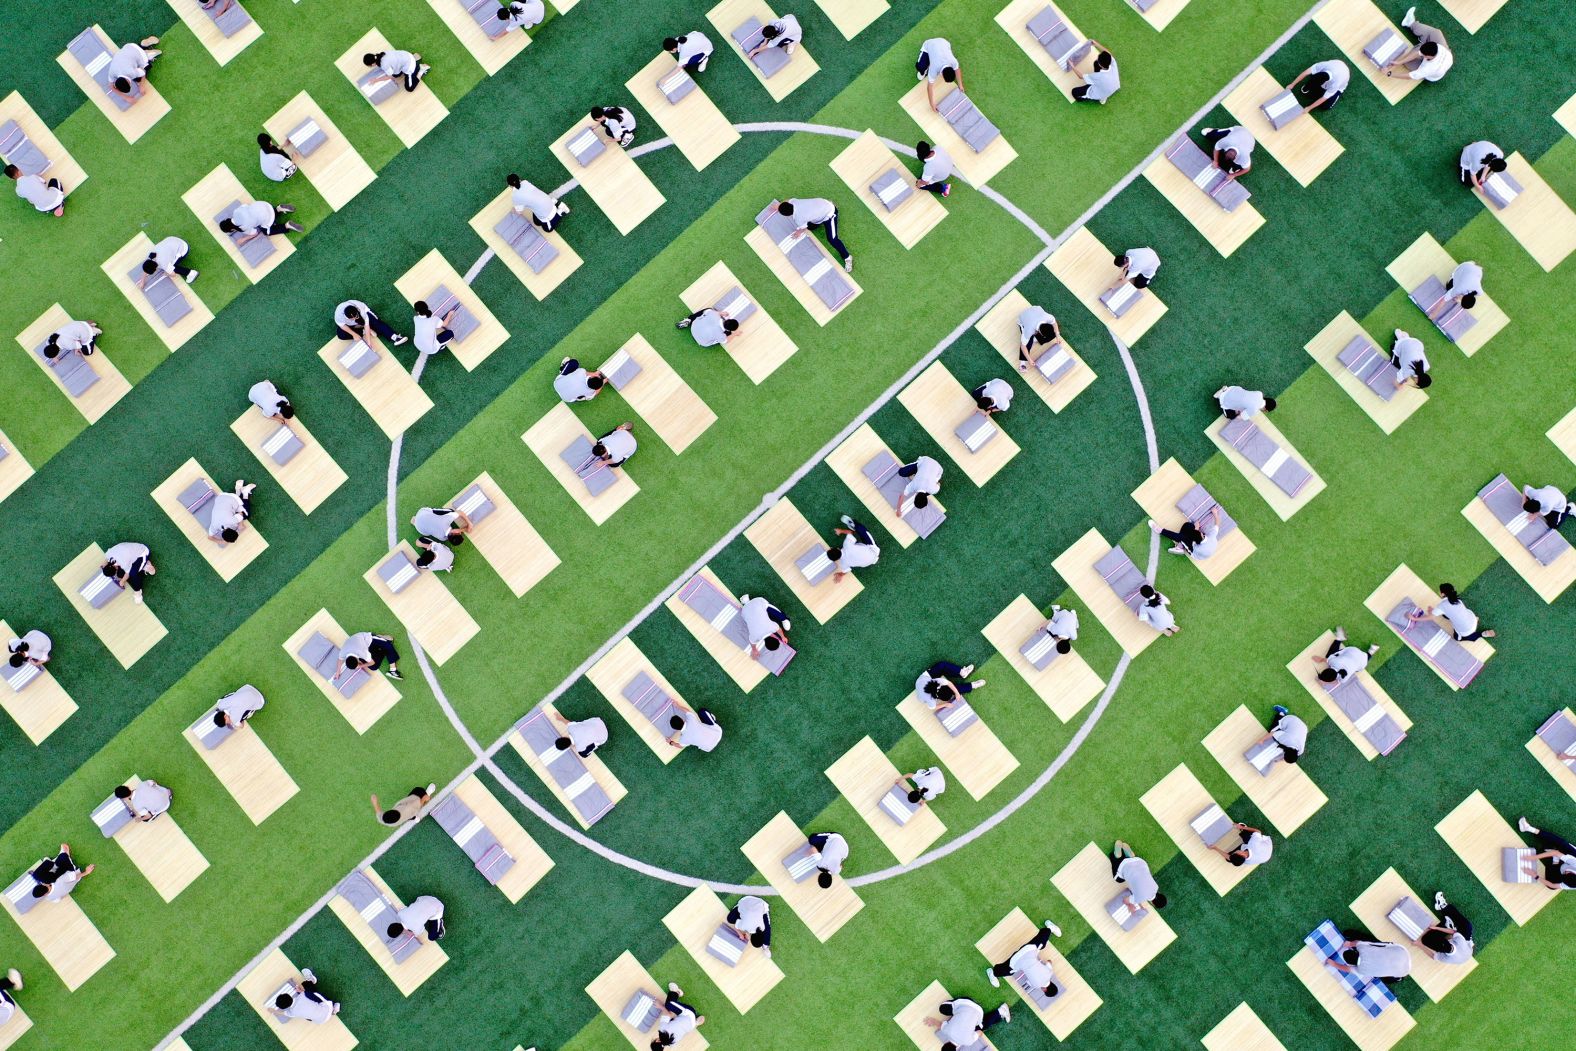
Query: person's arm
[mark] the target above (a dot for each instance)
(254, 235)
(113, 90)
(1300, 78)
(901, 498)
(339, 667)
(930, 91)
(960, 79)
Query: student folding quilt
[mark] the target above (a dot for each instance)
(1282, 792)
(477, 333)
(1075, 1000)
(869, 468)
(739, 22)
(608, 175)
(14, 468)
(376, 379)
(60, 931)
(1531, 211)
(242, 763)
(1241, 1030)
(1366, 1011)
(541, 260)
(563, 445)
(409, 114)
(926, 1005)
(640, 693)
(760, 345)
(292, 457)
(972, 754)
(1221, 213)
(1064, 681)
(785, 538)
(1369, 41)
(1057, 374)
(947, 411)
(1298, 142)
(1268, 461)
(366, 906)
(1403, 595)
(93, 383)
(1171, 492)
(708, 609)
(503, 536)
(27, 142)
(225, 29)
(1086, 883)
(852, 16)
(1358, 704)
(477, 24)
(802, 264)
(667, 404)
(1084, 266)
(1422, 271)
(322, 152)
(585, 786)
(167, 304)
(823, 911)
(361, 696)
(744, 974)
(877, 177)
(978, 148)
(263, 983)
(189, 497)
(1554, 739)
(1487, 844)
(1052, 42)
(1359, 367)
(1182, 806)
(422, 603)
(86, 61)
(1541, 555)
(32, 698)
(503, 853)
(631, 999)
(683, 111)
(1395, 912)
(866, 777)
(1106, 581)
(158, 848)
(127, 629)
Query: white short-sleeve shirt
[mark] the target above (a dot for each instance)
(1142, 262)
(253, 215)
(1475, 154)
(807, 210)
(398, 63)
(999, 391)
(1248, 403)
(169, 251)
(693, 45)
(1466, 279)
(938, 166)
(1102, 83)
(276, 167)
(36, 191)
(941, 57)
(527, 197)
(927, 477)
(1240, 139)
(620, 445)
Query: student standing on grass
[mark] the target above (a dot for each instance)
(169, 257)
(404, 67)
(692, 50)
(129, 565)
(519, 14)
(353, 319)
(937, 169)
(1155, 610)
(274, 159)
(406, 809)
(937, 60)
(817, 213)
(46, 196)
(1327, 82)
(365, 648)
(1463, 623)
(272, 404)
(575, 383)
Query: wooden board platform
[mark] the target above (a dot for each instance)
(1161, 14)
(62, 165)
(391, 396)
(1158, 495)
(1545, 757)
(1539, 219)
(778, 264)
(40, 709)
(416, 968)
(1288, 797)
(509, 543)
(1225, 231)
(161, 851)
(823, 911)
(1351, 24)
(1086, 883)
(978, 168)
(1473, 14)
(1304, 148)
(926, 1005)
(940, 404)
(1369, 1034)
(14, 468)
(371, 701)
(668, 405)
(866, 159)
(128, 630)
(611, 991)
(335, 170)
(593, 763)
(613, 181)
(257, 988)
(1373, 907)
(782, 536)
(492, 55)
(999, 327)
(1306, 673)
(1549, 581)
(422, 280)
(692, 922)
(427, 609)
(97, 399)
(1076, 567)
(550, 436)
(746, 672)
(1565, 116)
(864, 774)
(410, 115)
(119, 265)
(617, 668)
(66, 939)
(1326, 347)
(132, 123)
(1067, 684)
(1077, 1001)
(1478, 835)
(1403, 583)
(730, 15)
(976, 759)
(1241, 1030)
(1083, 265)
(697, 127)
(848, 461)
(852, 16)
(760, 346)
(227, 560)
(1562, 434)
(247, 770)
(1173, 802)
(531, 862)
(311, 476)
(1014, 20)
(16, 1027)
(222, 48)
(210, 196)
(1283, 505)
(1423, 259)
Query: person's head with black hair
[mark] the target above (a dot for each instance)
(229, 534)
(1436, 940)
(1045, 332)
(149, 265)
(983, 403)
(599, 450)
(770, 32)
(1428, 50)
(916, 795)
(1150, 595)
(671, 44)
(595, 382)
(758, 939)
(266, 142)
(13, 172)
(1424, 380)
(283, 1001)
(950, 74)
(823, 879)
(1291, 755)
(676, 722)
(513, 180)
(228, 226)
(122, 791)
(1496, 164)
(785, 208)
(1317, 81)
(924, 149)
(352, 313)
(1448, 593)
(1120, 260)
(1469, 301)
(730, 325)
(834, 553)
(394, 930)
(772, 643)
(18, 659)
(372, 59)
(352, 663)
(1328, 675)
(1103, 61)
(940, 690)
(1269, 404)
(597, 112)
(426, 557)
(421, 308)
(921, 500)
(1064, 645)
(123, 85)
(1159, 900)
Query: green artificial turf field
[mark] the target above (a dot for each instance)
(517, 974)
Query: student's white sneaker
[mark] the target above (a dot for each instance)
(1006, 1013)
(848, 523)
(284, 209)
(399, 339)
(244, 489)
(562, 209)
(422, 70)
(15, 976)
(1525, 825)
(968, 669)
(1050, 925)
(990, 973)
(1439, 899)
(848, 265)
(977, 683)
(431, 788)
(1408, 18)
(703, 64)
(307, 975)
(191, 275)
(1153, 527)
(766, 951)
(673, 987)
(136, 596)
(1340, 633)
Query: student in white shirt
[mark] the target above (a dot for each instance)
(1138, 267)
(1372, 960)
(425, 915)
(1063, 627)
(1155, 611)
(992, 396)
(1465, 284)
(709, 326)
(74, 337)
(937, 60)
(1289, 732)
(1463, 623)
(228, 512)
(681, 1020)
(575, 383)
(1326, 82)
(1036, 327)
(147, 801)
(45, 196)
(1410, 360)
(1340, 660)
(432, 333)
(924, 481)
(435, 557)
(31, 647)
(235, 708)
(1195, 539)
(694, 728)
(963, 1023)
(1557, 856)
(274, 159)
(928, 783)
(817, 213)
(442, 524)
(692, 50)
(1133, 872)
(1449, 940)
(751, 919)
(130, 66)
(582, 736)
(616, 446)
(527, 199)
(1028, 961)
(831, 852)
(129, 565)
(405, 67)
(1432, 53)
(857, 552)
(353, 319)
(1478, 161)
(55, 878)
(12, 982)
(1549, 501)
(1103, 78)
(304, 1002)
(167, 256)
(1237, 401)
(519, 14)
(272, 404)
(616, 122)
(365, 648)
(937, 169)
(784, 33)
(254, 219)
(1232, 149)
(1253, 848)
(765, 624)
(944, 683)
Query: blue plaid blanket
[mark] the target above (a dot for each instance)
(1371, 996)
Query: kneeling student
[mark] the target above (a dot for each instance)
(929, 783)
(698, 728)
(576, 383)
(435, 556)
(519, 14)
(149, 800)
(992, 396)
(304, 1001)
(616, 122)
(858, 551)
(424, 915)
(1254, 847)
(1029, 961)
(751, 919)
(583, 736)
(228, 513)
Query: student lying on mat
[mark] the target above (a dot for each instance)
(443, 525)
(680, 1022)
(371, 650)
(831, 852)
(1254, 847)
(963, 1021)
(405, 809)
(55, 878)
(928, 783)
(575, 382)
(1462, 622)
(147, 801)
(857, 552)
(272, 404)
(1138, 267)
(699, 728)
(584, 736)
(1155, 611)
(1548, 501)
(1326, 82)
(1103, 78)
(1232, 149)
(1037, 327)
(1028, 961)
(404, 67)
(32, 647)
(274, 159)
(709, 326)
(616, 446)
(937, 60)
(751, 919)
(519, 14)
(130, 66)
(74, 337)
(936, 169)
(9, 984)
(353, 319)
(939, 687)
(168, 256)
(1449, 940)
(766, 625)
(1196, 540)
(45, 195)
(1410, 359)
(422, 916)
(235, 708)
(1237, 401)
(228, 512)
(1374, 961)
(817, 213)
(129, 565)
(693, 50)
(1558, 857)
(1340, 660)
(1478, 161)
(924, 481)
(303, 1001)
(430, 332)
(992, 396)
(530, 200)
(435, 556)
(784, 33)
(1432, 53)
(256, 219)
(1288, 731)
(1133, 872)
(616, 122)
